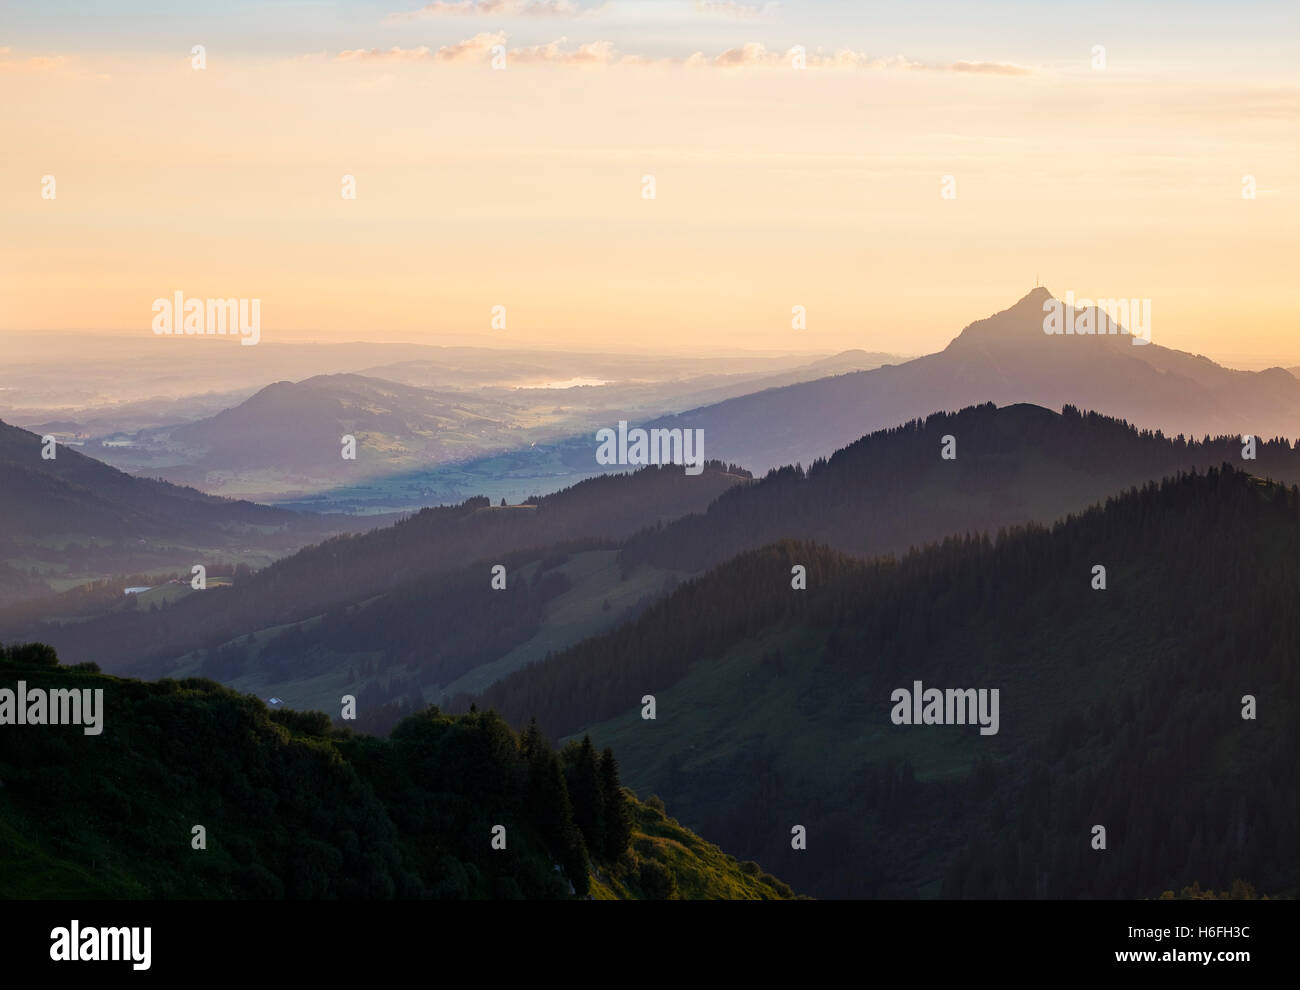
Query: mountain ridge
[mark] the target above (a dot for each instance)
(1005, 358)
(1120, 705)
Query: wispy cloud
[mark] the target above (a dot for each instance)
(757, 55)
(393, 54)
(733, 9)
(989, 68)
(752, 53)
(593, 53)
(32, 63)
(489, 8)
(468, 50)
(67, 65)
(603, 53)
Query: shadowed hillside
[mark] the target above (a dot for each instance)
(1120, 707)
(72, 519)
(892, 490)
(349, 570)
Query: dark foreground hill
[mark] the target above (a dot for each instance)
(292, 808)
(1120, 707)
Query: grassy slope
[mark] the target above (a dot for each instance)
(574, 615)
(781, 727)
(701, 870)
(569, 618)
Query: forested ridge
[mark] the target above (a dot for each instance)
(403, 610)
(294, 808)
(1119, 707)
(352, 568)
(890, 490)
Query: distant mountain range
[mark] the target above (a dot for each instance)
(629, 380)
(544, 438)
(464, 421)
(105, 383)
(416, 445)
(295, 428)
(1006, 358)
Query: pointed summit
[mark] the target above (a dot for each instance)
(1022, 319)
(1012, 356)
(1033, 299)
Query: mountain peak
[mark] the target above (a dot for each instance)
(1035, 295)
(1022, 318)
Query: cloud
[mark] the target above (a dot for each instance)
(471, 48)
(489, 8)
(593, 53)
(749, 54)
(462, 51)
(65, 65)
(733, 10)
(678, 11)
(753, 54)
(33, 63)
(990, 68)
(393, 54)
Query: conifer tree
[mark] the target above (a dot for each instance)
(551, 809)
(585, 793)
(618, 823)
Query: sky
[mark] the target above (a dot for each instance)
(1111, 172)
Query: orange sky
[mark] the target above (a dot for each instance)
(522, 187)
